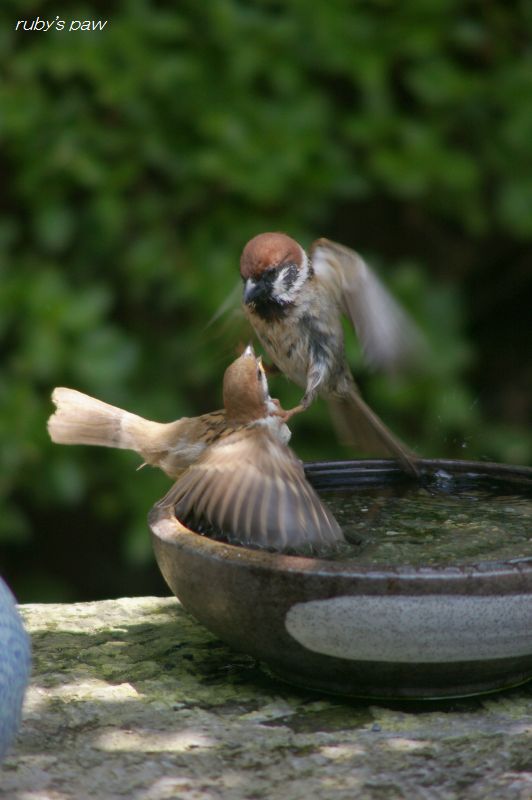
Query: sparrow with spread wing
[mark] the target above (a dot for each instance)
(295, 303)
(249, 485)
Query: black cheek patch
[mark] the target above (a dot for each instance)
(270, 310)
(290, 275)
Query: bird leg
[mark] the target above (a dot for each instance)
(305, 402)
(283, 413)
(287, 414)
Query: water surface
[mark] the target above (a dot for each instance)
(447, 521)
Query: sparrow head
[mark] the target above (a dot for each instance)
(273, 267)
(245, 388)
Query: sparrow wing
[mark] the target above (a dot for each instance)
(253, 488)
(227, 326)
(229, 306)
(388, 336)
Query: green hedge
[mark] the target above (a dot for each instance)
(138, 160)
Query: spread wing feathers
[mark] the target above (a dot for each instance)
(253, 488)
(226, 326)
(389, 338)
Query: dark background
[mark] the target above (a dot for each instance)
(137, 161)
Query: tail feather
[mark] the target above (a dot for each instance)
(80, 419)
(359, 426)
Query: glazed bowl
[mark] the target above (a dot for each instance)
(382, 631)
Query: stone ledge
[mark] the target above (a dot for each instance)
(132, 698)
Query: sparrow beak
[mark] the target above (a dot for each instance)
(249, 351)
(253, 291)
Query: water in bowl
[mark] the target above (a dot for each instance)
(448, 521)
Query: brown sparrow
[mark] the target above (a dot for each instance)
(248, 484)
(295, 301)
(171, 446)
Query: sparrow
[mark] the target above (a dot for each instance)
(249, 485)
(171, 446)
(295, 302)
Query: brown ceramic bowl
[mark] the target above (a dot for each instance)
(387, 632)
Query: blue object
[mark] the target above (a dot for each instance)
(15, 662)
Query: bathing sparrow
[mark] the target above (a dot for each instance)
(248, 484)
(295, 302)
(171, 446)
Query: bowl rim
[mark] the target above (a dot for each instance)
(165, 526)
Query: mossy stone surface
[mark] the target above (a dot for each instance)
(132, 698)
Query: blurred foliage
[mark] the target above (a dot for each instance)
(137, 161)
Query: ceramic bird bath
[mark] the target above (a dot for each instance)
(378, 622)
